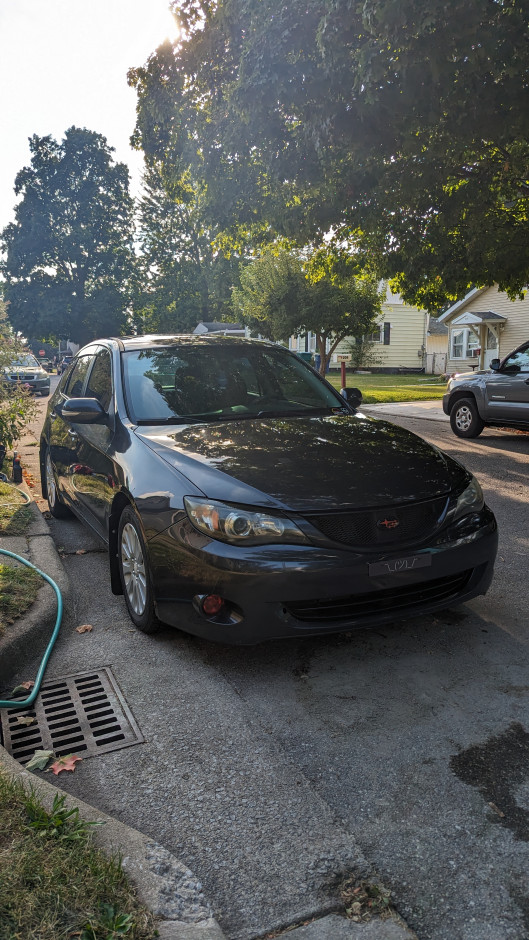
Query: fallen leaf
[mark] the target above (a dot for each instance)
(85, 628)
(81, 551)
(39, 760)
(25, 720)
(23, 687)
(65, 763)
(497, 809)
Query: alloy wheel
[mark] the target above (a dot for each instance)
(133, 567)
(51, 486)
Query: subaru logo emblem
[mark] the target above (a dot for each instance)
(388, 523)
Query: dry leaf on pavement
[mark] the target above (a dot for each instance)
(65, 763)
(85, 628)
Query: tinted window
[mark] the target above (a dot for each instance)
(74, 385)
(520, 359)
(220, 382)
(100, 381)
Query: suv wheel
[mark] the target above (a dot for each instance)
(464, 418)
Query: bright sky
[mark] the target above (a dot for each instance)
(65, 62)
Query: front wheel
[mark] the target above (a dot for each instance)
(55, 503)
(134, 573)
(464, 418)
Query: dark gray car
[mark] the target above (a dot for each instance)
(243, 499)
(498, 397)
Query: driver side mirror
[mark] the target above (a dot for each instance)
(494, 364)
(83, 411)
(353, 396)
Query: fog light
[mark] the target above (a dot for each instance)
(212, 604)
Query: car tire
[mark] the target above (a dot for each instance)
(464, 418)
(55, 503)
(134, 573)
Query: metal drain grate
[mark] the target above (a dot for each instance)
(84, 714)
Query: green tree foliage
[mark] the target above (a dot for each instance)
(16, 404)
(282, 295)
(69, 258)
(183, 280)
(402, 123)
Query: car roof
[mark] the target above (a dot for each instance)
(183, 339)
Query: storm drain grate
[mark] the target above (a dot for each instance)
(84, 714)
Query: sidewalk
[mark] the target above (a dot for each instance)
(166, 886)
(431, 410)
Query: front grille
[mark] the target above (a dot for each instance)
(22, 378)
(394, 526)
(376, 602)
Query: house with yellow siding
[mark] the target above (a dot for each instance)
(399, 343)
(482, 326)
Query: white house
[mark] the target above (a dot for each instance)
(482, 326)
(400, 341)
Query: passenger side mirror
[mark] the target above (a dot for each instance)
(353, 396)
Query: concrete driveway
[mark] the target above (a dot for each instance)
(272, 771)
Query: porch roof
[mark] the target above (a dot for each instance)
(475, 318)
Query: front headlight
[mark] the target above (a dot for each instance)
(470, 500)
(239, 525)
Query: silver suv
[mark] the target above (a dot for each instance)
(498, 397)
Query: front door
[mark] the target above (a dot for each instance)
(507, 391)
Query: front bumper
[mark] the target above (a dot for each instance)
(276, 591)
(35, 384)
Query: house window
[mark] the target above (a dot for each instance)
(465, 344)
(381, 335)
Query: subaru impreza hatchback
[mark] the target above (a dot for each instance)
(243, 499)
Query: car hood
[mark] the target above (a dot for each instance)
(335, 462)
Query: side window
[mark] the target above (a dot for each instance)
(74, 385)
(520, 359)
(100, 381)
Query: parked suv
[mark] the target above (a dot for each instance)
(499, 397)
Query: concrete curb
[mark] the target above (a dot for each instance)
(35, 627)
(164, 885)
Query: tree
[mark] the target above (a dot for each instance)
(183, 279)
(283, 295)
(69, 258)
(404, 123)
(16, 404)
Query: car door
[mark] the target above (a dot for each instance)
(507, 390)
(92, 478)
(63, 439)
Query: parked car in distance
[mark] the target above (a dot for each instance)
(498, 397)
(26, 370)
(63, 364)
(45, 364)
(243, 499)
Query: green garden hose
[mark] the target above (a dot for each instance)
(5, 703)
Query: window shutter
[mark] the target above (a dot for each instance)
(387, 329)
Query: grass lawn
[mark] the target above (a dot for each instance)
(15, 514)
(388, 388)
(55, 885)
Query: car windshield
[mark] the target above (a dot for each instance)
(221, 382)
(24, 362)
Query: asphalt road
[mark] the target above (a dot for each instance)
(274, 770)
